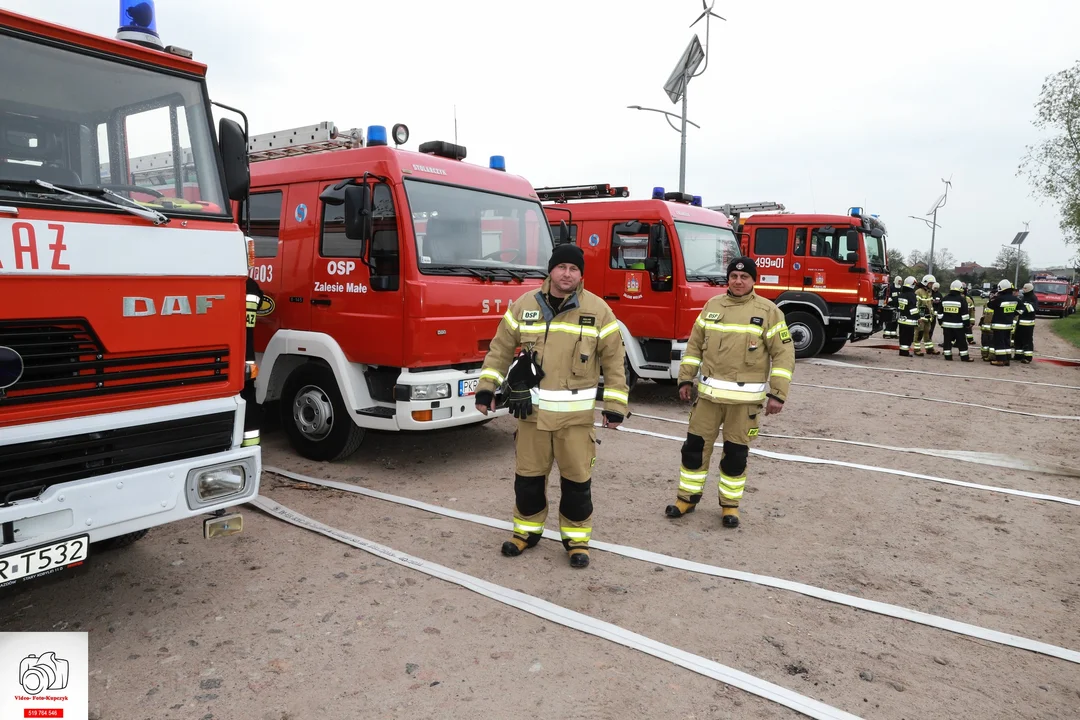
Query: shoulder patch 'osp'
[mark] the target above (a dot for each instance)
(530, 315)
(712, 316)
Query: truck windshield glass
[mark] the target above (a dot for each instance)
(875, 252)
(1051, 288)
(466, 231)
(85, 123)
(706, 250)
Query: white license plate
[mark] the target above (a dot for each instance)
(26, 564)
(467, 387)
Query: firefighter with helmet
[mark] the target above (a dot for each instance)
(1004, 307)
(891, 325)
(924, 336)
(568, 337)
(907, 314)
(741, 346)
(1025, 325)
(955, 322)
(986, 325)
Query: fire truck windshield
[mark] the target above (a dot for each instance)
(1051, 288)
(465, 231)
(875, 252)
(88, 123)
(706, 250)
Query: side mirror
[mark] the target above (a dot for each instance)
(235, 159)
(358, 213)
(852, 236)
(564, 233)
(877, 233)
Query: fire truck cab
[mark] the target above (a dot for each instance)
(121, 311)
(656, 261)
(828, 273)
(386, 273)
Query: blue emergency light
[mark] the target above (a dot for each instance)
(696, 202)
(376, 135)
(658, 193)
(498, 162)
(856, 212)
(138, 24)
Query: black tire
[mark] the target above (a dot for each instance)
(314, 416)
(120, 541)
(831, 347)
(807, 333)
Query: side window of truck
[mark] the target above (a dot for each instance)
(265, 222)
(770, 241)
(628, 248)
(800, 242)
(833, 245)
(555, 232)
(384, 253)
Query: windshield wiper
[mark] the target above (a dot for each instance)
(511, 273)
(455, 269)
(711, 279)
(87, 193)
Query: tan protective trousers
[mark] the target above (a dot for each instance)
(740, 427)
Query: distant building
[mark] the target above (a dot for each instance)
(969, 268)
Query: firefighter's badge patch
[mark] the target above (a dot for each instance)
(760, 322)
(712, 316)
(530, 315)
(588, 320)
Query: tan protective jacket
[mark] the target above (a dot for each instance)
(743, 350)
(573, 347)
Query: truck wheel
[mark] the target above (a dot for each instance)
(833, 346)
(807, 333)
(315, 417)
(120, 541)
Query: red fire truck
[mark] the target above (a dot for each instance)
(655, 261)
(1055, 295)
(828, 273)
(121, 313)
(386, 273)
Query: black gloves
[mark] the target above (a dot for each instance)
(484, 398)
(613, 417)
(520, 402)
(524, 372)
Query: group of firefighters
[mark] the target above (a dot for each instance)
(545, 363)
(1007, 321)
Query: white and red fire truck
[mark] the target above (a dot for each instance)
(121, 310)
(386, 273)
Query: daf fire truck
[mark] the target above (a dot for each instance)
(828, 273)
(656, 261)
(121, 311)
(386, 273)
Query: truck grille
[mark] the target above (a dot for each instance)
(27, 469)
(64, 359)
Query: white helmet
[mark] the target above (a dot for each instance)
(1004, 285)
(898, 281)
(1028, 287)
(928, 279)
(909, 281)
(957, 285)
(936, 286)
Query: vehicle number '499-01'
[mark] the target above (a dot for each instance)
(25, 564)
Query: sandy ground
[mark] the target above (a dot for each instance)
(281, 623)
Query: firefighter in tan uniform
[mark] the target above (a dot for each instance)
(568, 337)
(924, 336)
(741, 346)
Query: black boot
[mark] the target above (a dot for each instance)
(515, 545)
(680, 508)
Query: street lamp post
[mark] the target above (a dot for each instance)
(685, 121)
(938, 204)
(932, 224)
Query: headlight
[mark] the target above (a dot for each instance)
(218, 482)
(429, 392)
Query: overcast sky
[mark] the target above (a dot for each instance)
(819, 106)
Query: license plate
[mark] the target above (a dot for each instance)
(27, 564)
(467, 387)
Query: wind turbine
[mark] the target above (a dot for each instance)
(707, 15)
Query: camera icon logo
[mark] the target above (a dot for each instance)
(38, 673)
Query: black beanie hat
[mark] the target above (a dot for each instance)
(567, 253)
(743, 264)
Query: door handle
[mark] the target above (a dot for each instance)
(611, 297)
(320, 301)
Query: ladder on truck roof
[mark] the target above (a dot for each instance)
(580, 192)
(324, 137)
(737, 209)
